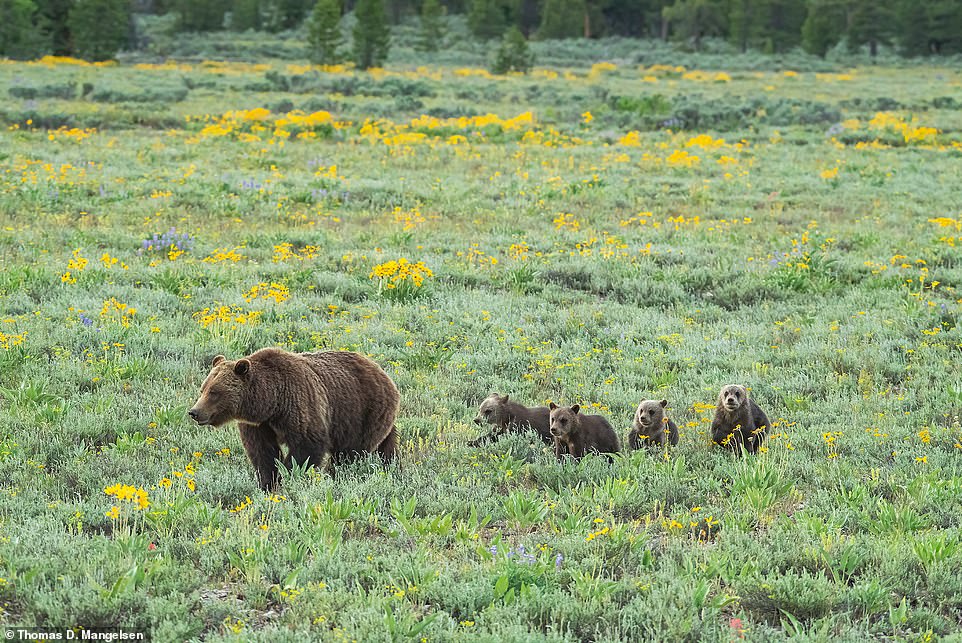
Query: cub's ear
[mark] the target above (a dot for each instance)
(552, 406)
(664, 403)
(575, 408)
(218, 360)
(504, 399)
(242, 367)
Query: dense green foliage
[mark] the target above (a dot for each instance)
(513, 53)
(643, 233)
(99, 27)
(372, 36)
(324, 36)
(431, 32)
(911, 27)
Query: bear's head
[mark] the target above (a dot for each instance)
(564, 420)
(222, 393)
(732, 396)
(492, 410)
(651, 413)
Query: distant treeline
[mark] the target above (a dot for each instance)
(97, 29)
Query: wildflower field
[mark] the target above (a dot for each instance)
(597, 233)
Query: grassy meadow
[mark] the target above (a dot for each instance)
(595, 233)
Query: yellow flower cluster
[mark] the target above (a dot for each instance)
(286, 252)
(117, 312)
(227, 315)
(910, 131)
(392, 273)
(279, 293)
(9, 341)
(249, 125)
(125, 492)
(77, 264)
(221, 255)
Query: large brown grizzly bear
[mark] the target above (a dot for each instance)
(579, 434)
(507, 415)
(337, 403)
(738, 420)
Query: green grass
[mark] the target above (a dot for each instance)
(565, 265)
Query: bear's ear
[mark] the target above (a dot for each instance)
(552, 406)
(218, 360)
(242, 367)
(504, 399)
(664, 403)
(576, 408)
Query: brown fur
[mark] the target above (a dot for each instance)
(579, 434)
(651, 426)
(505, 415)
(738, 420)
(337, 403)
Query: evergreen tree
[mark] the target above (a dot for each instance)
(372, 37)
(945, 16)
(562, 19)
(54, 14)
(824, 26)
(431, 31)
(324, 32)
(870, 23)
(292, 12)
(206, 15)
(694, 19)
(99, 28)
(20, 36)
(513, 54)
(488, 19)
(246, 15)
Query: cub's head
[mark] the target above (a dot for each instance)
(492, 410)
(222, 392)
(732, 396)
(651, 413)
(564, 420)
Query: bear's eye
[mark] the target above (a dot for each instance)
(488, 412)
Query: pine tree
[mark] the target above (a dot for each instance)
(870, 22)
(19, 35)
(54, 15)
(487, 19)
(513, 54)
(246, 15)
(562, 19)
(207, 15)
(695, 19)
(372, 37)
(824, 26)
(324, 33)
(432, 31)
(99, 28)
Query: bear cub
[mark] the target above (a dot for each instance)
(506, 415)
(333, 403)
(738, 422)
(652, 427)
(579, 434)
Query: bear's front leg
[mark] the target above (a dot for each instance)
(260, 442)
(576, 447)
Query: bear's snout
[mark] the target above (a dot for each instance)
(478, 421)
(195, 416)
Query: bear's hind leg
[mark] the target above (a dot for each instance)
(389, 447)
(260, 442)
